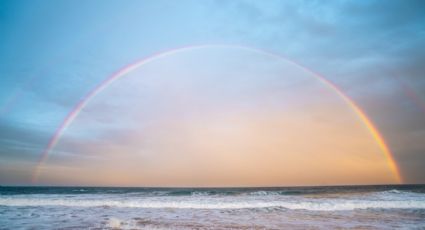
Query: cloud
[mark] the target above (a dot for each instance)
(20, 148)
(373, 50)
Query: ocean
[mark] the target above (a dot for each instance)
(340, 207)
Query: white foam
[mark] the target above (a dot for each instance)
(263, 193)
(295, 204)
(200, 194)
(114, 223)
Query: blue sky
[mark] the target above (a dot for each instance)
(53, 52)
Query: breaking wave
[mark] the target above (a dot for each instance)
(205, 202)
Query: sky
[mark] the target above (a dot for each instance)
(219, 114)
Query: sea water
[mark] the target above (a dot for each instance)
(356, 207)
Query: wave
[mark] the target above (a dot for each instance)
(392, 192)
(387, 194)
(313, 205)
(284, 191)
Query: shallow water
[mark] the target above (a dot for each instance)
(357, 207)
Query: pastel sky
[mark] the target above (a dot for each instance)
(215, 116)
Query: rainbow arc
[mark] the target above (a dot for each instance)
(131, 67)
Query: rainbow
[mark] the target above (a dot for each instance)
(129, 68)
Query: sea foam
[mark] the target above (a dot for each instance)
(205, 202)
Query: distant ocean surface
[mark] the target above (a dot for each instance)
(356, 207)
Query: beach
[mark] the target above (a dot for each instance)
(355, 207)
